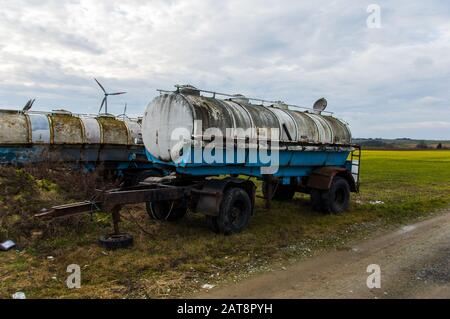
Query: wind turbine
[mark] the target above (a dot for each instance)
(105, 99)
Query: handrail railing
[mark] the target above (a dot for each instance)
(69, 112)
(234, 96)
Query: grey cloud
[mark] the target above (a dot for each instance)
(382, 81)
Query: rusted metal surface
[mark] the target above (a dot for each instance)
(176, 110)
(111, 199)
(325, 131)
(211, 196)
(271, 184)
(113, 131)
(66, 129)
(207, 193)
(307, 130)
(70, 209)
(32, 137)
(341, 132)
(263, 119)
(211, 112)
(13, 128)
(212, 192)
(322, 178)
(63, 127)
(147, 194)
(241, 118)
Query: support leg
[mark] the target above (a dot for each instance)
(269, 192)
(116, 239)
(115, 212)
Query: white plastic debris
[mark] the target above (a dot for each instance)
(7, 245)
(407, 229)
(208, 286)
(50, 257)
(376, 202)
(19, 295)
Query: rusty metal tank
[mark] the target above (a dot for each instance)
(185, 107)
(62, 135)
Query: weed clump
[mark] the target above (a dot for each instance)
(26, 191)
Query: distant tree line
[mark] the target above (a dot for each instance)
(423, 146)
(383, 144)
(376, 143)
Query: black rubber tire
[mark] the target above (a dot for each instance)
(120, 241)
(337, 198)
(166, 210)
(282, 192)
(235, 204)
(160, 210)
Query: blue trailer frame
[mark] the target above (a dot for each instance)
(291, 163)
(122, 161)
(327, 173)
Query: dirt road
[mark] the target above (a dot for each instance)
(414, 263)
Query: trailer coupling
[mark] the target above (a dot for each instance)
(70, 209)
(111, 201)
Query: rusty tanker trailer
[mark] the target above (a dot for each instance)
(86, 141)
(312, 149)
(236, 117)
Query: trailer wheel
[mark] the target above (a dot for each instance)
(337, 198)
(166, 210)
(282, 192)
(116, 241)
(234, 213)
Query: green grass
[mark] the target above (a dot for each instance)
(172, 260)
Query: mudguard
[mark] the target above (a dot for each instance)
(210, 196)
(322, 178)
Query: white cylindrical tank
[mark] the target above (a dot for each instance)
(63, 128)
(185, 109)
(28, 137)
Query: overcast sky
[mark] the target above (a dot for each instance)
(392, 81)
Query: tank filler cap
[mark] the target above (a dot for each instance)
(188, 89)
(239, 98)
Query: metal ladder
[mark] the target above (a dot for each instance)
(355, 158)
